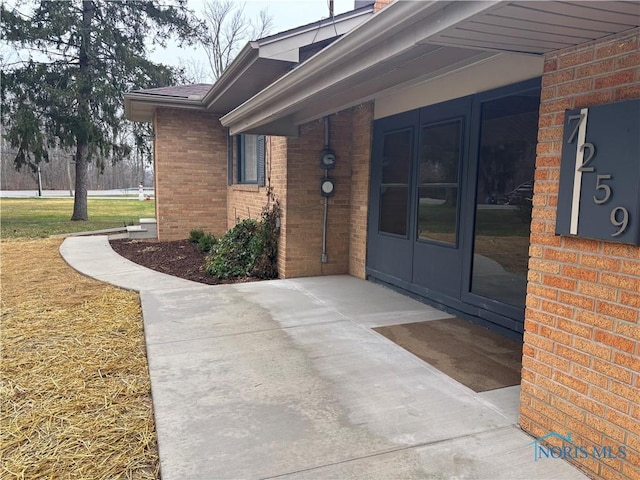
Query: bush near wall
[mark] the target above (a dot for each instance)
(249, 249)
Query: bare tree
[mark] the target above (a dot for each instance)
(228, 29)
(194, 70)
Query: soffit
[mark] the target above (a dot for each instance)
(411, 42)
(541, 26)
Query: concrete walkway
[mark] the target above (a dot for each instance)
(287, 379)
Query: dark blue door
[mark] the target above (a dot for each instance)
(450, 203)
(439, 182)
(390, 252)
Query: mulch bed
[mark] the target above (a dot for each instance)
(180, 258)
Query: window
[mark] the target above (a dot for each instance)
(248, 151)
(394, 188)
(438, 181)
(251, 159)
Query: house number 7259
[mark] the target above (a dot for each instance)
(585, 155)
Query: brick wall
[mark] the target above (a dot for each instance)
(276, 172)
(360, 172)
(248, 201)
(190, 162)
(305, 205)
(293, 166)
(380, 4)
(581, 357)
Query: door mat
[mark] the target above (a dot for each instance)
(473, 355)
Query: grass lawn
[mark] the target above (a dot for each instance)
(42, 217)
(501, 234)
(490, 222)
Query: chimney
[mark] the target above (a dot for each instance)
(380, 4)
(363, 3)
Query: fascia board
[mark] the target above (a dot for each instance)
(284, 48)
(406, 23)
(237, 67)
(289, 48)
(360, 14)
(325, 106)
(136, 101)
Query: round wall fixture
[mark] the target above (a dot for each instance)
(327, 187)
(327, 159)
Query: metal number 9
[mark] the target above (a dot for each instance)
(623, 223)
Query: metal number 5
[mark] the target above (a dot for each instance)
(602, 186)
(623, 223)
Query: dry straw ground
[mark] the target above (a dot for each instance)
(74, 390)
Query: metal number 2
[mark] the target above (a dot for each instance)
(623, 223)
(592, 151)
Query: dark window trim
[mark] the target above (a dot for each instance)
(260, 160)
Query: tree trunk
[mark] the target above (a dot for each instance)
(80, 211)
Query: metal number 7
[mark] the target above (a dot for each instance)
(580, 117)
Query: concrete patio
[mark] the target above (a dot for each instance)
(286, 378)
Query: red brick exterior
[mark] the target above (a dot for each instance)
(294, 172)
(302, 227)
(581, 355)
(359, 201)
(249, 201)
(380, 4)
(581, 352)
(190, 162)
(192, 188)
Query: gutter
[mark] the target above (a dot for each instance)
(160, 101)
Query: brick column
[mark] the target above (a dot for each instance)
(362, 125)
(581, 357)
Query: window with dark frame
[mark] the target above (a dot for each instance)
(248, 151)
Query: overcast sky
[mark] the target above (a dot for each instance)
(286, 14)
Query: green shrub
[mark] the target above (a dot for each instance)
(266, 265)
(250, 249)
(235, 253)
(196, 235)
(206, 243)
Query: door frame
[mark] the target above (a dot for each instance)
(501, 317)
(486, 304)
(399, 268)
(445, 254)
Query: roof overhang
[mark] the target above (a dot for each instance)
(256, 66)
(140, 107)
(412, 42)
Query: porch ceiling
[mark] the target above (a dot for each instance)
(541, 26)
(411, 42)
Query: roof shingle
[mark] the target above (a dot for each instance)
(180, 91)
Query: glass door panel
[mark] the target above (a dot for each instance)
(438, 243)
(394, 189)
(439, 157)
(506, 163)
(389, 237)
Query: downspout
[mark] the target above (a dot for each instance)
(323, 258)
